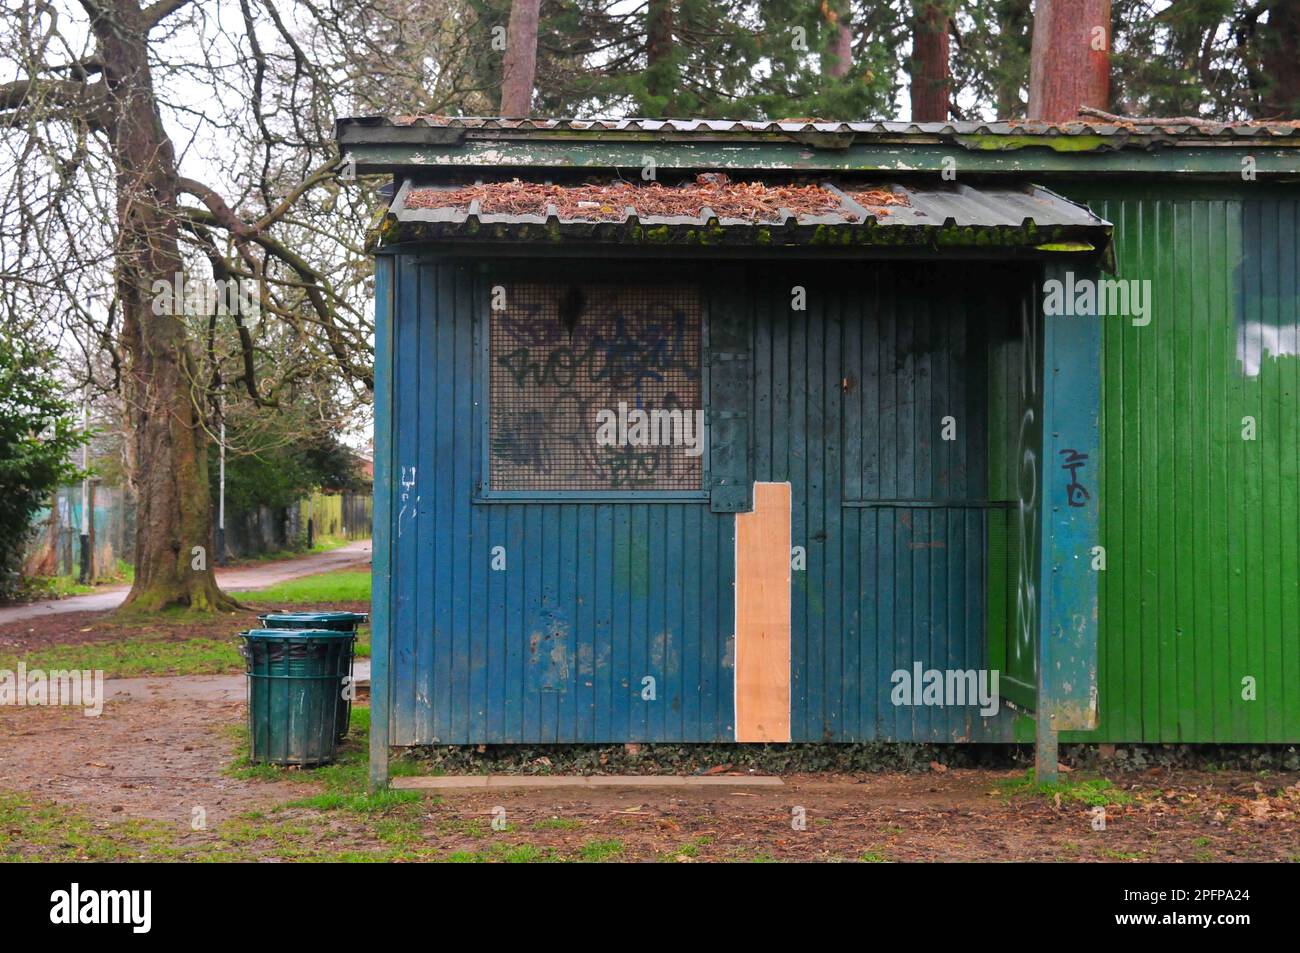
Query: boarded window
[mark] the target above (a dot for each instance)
(595, 388)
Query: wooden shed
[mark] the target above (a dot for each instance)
(701, 431)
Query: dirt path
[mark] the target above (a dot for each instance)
(136, 761)
(239, 579)
(160, 749)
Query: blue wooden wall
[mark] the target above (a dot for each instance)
(846, 403)
(849, 398)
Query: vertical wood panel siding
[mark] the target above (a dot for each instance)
(598, 595)
(849, 398)
(1201, 527)
(595, 596)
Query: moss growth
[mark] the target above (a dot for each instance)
(1094, 792)
(999, 143)
(1065, 247)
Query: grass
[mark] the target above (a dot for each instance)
(42, 832)
(327, 587)
(341, 821)
(40, 588)
(1109, 854)
(343, 585)
(397, 819)
(505, 853)
(134, 657)
(321, 544)
(690, 850)
(156, 644)
(61, 834)
(384, 827)
(600, 851)
(130, 657)
(1093, 792)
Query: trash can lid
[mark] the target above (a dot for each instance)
(290, 635)
(318, 618)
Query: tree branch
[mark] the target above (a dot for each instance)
(156, 12)
(216, 204)
(317, 288)
(61, 92)
(1147, 120)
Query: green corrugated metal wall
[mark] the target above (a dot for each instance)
(1201, 527)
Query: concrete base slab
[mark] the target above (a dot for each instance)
(208, 688)
(472, 781)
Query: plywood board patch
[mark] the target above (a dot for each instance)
(763, 616)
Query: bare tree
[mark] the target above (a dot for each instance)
(109, 93)
(108, 218)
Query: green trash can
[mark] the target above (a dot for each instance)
(293, 693)
(338, 621)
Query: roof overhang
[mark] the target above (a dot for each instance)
(845, 214)
(381, 144)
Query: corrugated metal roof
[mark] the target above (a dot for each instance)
(1139, 130)
(846, 203)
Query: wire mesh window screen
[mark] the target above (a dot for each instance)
(595, 388)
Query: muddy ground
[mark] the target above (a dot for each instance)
(155, 762)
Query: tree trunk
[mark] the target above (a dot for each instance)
(929, 67)
(43, 559)
(519, 69)
(840, 59)
(1069, 62)
(1280, 55)
(174, 512)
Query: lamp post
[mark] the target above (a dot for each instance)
(221, 496)
(87, 514)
